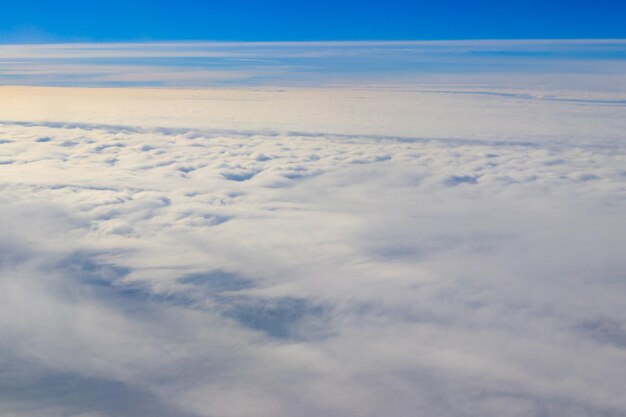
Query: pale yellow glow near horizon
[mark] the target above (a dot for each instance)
(367, 111)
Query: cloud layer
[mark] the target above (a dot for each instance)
(540, 63)
(190, 272)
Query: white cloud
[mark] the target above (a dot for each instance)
(249, 272)
(484, 114)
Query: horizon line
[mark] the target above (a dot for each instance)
(320, 42)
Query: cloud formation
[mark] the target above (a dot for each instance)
(193, 272)
(540, 63)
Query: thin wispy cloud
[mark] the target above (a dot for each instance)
(202, 64)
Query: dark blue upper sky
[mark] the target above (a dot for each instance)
(248, 20)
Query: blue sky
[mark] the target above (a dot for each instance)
(246, 20)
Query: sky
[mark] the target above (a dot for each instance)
(268, 209)
(246, 20)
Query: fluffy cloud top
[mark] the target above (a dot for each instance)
(184, 271)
